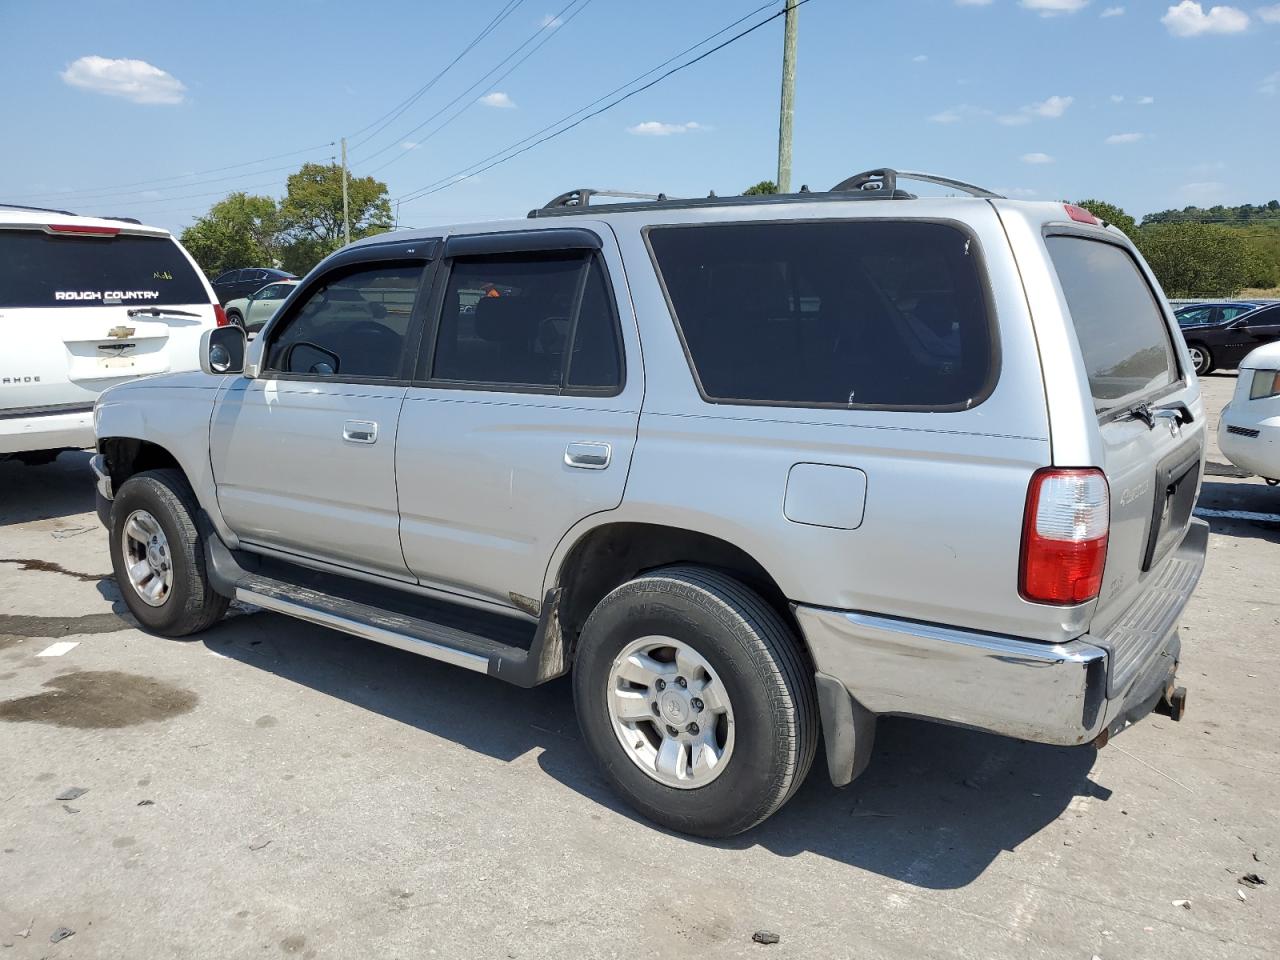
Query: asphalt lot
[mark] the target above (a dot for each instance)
(272, 788)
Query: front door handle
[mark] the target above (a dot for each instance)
(360, 431)
(588, 455)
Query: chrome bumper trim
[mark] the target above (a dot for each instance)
(98, 464)
(1049, 693)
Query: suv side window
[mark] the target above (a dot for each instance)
(542, 322)
(849, 314)
(353, 324)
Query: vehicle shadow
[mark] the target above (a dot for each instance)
(63, 488)
(1250, 496)
(937, 806)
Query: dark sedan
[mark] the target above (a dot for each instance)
(241, 283)
(1225, 343)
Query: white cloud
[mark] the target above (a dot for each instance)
(1036, 158)
(919, 58)
(973, 3)
(950, 115)
(409, 145)
(1051, 8)
(134, 80)
(1269, 14)
(657, 128)
(1117, 98)
(1202, 190)
(1188, 19)
(1049, 109)
(549, 21)
(1146, 101)
(1124, 138)
(1270, 84)
(1112, 12)
(498, 99)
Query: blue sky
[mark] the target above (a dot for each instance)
(1147, 104)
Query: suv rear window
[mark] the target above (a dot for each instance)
(41, 270)
(868, 313)
(1122, 332)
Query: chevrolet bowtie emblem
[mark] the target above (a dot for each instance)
(121, 333)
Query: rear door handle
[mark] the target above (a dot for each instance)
(588, 455)
(360, 431)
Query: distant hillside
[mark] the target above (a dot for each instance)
(1243, 215)
(1259, 224)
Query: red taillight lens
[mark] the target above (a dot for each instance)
(81, 229)
(1081, 215)
(1064, 537)
(220, 315)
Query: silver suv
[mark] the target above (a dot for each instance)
(754, 469)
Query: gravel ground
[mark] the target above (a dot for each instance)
(273, 788)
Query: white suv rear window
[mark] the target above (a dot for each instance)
(38, 269)
(1121, 330)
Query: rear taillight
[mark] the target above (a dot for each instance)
(220, 315)
(1081, 215)
(1064, 536)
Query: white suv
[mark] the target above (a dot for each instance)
(86, 303)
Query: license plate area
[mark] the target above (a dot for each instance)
(1177, 477)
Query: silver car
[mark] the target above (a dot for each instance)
(753, 469)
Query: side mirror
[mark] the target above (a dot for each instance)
(222, 350)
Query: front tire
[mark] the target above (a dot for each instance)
(1201, 358)
(715, 752)
(157, 553)
(234, 318)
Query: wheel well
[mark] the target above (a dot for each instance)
(609, 556)
(127, 456)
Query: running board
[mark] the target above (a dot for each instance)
(466, 641)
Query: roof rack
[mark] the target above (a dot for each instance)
(23, 206)
(881, 184)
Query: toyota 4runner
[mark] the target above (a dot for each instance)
(752, 469)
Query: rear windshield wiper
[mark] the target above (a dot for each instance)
(160, 312)
(1178, 412)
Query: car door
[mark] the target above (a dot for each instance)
(263, 304)
(1247, 332)
(522, 416)
(303, 451)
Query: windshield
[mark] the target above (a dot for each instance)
(41, 270)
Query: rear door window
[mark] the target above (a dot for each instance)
(862, 313)
(38, 269)
(1122, 332)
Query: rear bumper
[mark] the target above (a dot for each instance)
(46, 428)
(1066, 693)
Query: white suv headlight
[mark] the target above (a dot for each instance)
(1266, 383)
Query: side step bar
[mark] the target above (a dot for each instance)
(463, 642)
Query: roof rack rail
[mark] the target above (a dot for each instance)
(581, 197)
(885, 180)
(24, 206)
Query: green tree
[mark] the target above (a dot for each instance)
(1195, 259)
(1111, 214)
(311, 213)
(238, 231)
(764, 186)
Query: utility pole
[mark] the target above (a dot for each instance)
(346, 209)
(788, 98)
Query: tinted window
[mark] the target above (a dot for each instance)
(274, 291)
(352, 325)
(228, 277)
(40, 270)
(862, 313)
(508, 320)
(1122, 333)
(1187, 318)
(1230, 313)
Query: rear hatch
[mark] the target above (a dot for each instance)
(1150, 420)
(84, 306)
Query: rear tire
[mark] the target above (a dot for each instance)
(157, 553)
(745, 658)
(1201, 358)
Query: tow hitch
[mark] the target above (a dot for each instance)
(1174, 703)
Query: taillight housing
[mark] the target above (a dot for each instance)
(1064, 536)
(1081, 215)
(220, 315)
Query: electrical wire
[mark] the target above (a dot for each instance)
(510, 153)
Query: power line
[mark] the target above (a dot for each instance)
(391, 115)
(458, 178)
(501, 63)
(515, 66)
